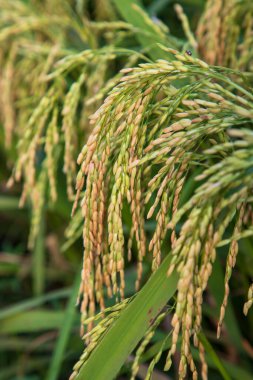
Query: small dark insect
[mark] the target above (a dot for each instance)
(188, 52)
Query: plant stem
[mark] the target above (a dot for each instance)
(55, 364)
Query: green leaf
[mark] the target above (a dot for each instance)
(212, 354)
(216, 285)
(8, 203)
(157, 6)
(229, 370)
(33, 302)
(69, 319)
(147, 33)
(121, 339)
(38, 259)
(235, 371)
(31, 321)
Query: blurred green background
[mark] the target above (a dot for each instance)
(39, 323)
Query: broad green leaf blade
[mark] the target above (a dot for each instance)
(121, 339)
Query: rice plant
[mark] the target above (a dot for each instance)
(151, 126)
(150, 148)
(61, 90)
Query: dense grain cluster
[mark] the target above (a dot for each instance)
(225, 33)
(50, 87)
(161, 123)
(145, 126)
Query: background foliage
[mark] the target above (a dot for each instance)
(59, 60)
